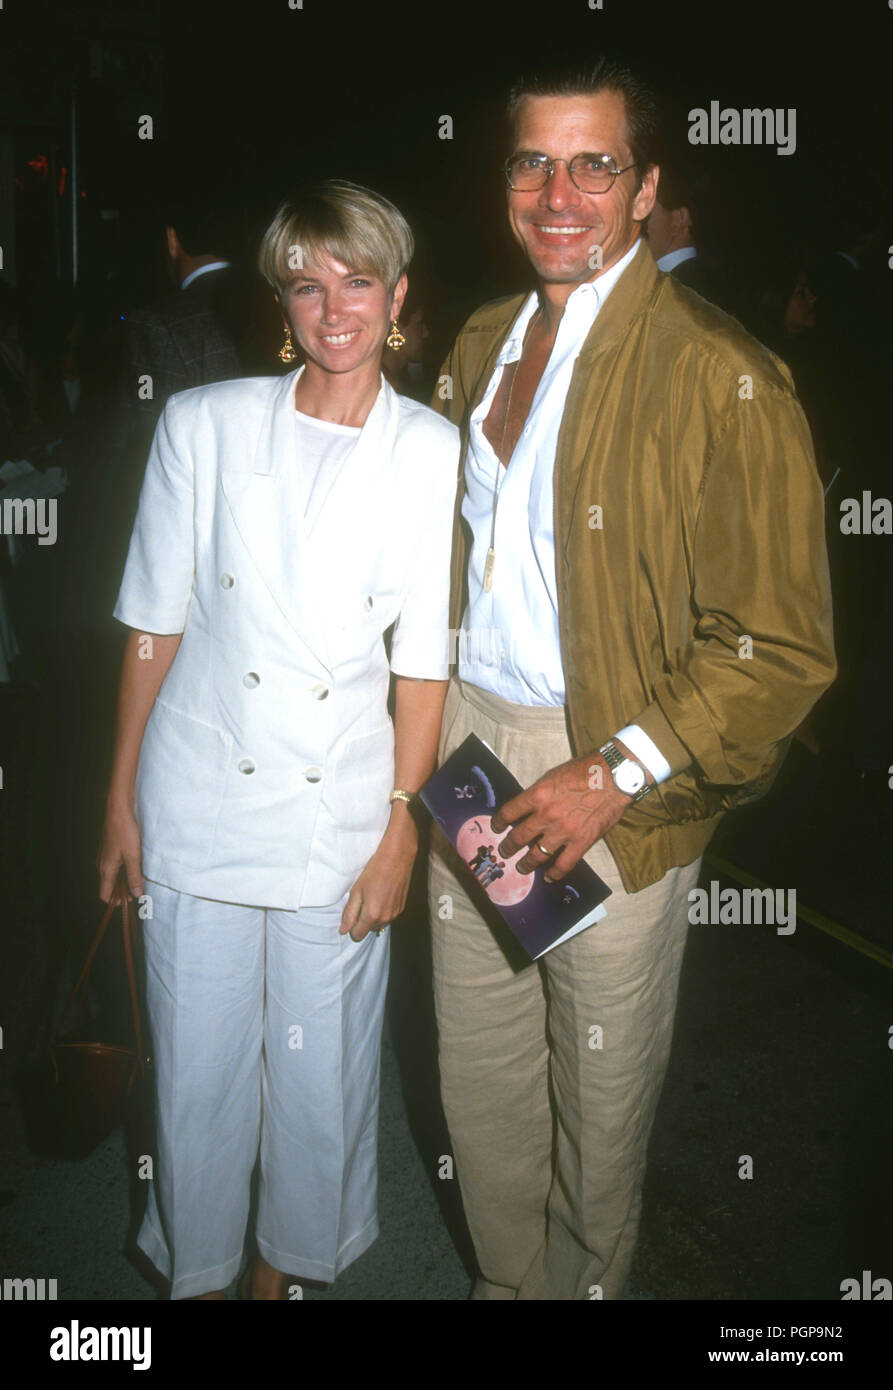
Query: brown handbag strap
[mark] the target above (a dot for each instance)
(83, 979)
(129, 928)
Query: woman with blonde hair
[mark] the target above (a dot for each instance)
(260, 793)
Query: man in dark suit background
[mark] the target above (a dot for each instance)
(195, 334)
(673, 233)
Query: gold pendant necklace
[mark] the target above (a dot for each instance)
(497, 483)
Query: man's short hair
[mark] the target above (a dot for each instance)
(198, 228)
(680, 187)
(205, 222)
(343, 221)
(675, 190)
(607, 74)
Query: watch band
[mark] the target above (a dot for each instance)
(614, 758)
(398, 794)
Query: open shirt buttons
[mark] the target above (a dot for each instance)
(313, 774)
(319, 692)
(246, 765)
(250, 680)
(226, 581)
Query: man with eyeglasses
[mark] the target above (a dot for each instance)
(641, 523)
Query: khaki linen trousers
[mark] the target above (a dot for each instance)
(550, 1072)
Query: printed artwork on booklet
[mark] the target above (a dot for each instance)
(463, 796)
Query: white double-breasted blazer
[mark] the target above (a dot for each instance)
(268, 757)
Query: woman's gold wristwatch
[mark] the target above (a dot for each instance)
(399, 795)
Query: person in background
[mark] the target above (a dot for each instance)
(674, 238)
(192, 335)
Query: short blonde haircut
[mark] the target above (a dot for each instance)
(343, 221)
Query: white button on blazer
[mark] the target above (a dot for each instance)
(267, 760)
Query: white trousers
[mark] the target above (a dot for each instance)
(266, 1030)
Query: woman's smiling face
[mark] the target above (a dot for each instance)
(340, 317)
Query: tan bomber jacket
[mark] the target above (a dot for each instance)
(688, 435)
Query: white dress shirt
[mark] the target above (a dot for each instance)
(510, 642)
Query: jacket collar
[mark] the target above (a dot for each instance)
(275, 440)
(629, 298)
(295, 559)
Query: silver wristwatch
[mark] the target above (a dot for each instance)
(629, 776)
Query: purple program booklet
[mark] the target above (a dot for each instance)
(462, 796)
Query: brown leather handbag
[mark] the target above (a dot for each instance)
(94, 1079)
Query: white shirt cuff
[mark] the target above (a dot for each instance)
(645, 750)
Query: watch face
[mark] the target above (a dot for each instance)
(629, 777)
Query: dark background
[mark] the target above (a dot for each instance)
(250, 99)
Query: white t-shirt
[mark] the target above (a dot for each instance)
(322, 449)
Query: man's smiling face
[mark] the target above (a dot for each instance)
(557, 225)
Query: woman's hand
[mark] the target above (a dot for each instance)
(379, 894)
(142, 676)
(120, 846)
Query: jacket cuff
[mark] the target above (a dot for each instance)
(654, 723)
(645, 750)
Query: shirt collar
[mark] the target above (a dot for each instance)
(586, 300)
(674, 258)
(203, 270)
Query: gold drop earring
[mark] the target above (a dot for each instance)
(395, 338)
(287, 352)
